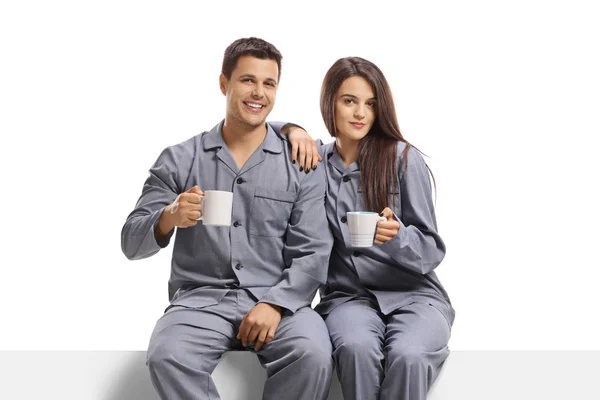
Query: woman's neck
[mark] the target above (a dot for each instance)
(348, 150)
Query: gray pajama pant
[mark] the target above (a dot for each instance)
(387, 357)
(187, 343)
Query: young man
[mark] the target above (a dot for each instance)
(249, 284)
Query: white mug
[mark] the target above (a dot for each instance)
(362, 226)
(216, 208)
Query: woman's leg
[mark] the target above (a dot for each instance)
(357, 331)
(416, 346)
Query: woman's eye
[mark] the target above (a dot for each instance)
(348, 101)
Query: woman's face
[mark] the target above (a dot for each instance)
(355, 109)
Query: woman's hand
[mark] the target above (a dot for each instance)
(386, 230)
(304, 148)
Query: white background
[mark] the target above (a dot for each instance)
(503, 97)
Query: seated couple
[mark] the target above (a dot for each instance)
(384, 319)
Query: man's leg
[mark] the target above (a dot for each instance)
(416, 347)
(298, 360)
(186, 346)
(357, 331)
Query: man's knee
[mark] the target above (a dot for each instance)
(165, 351)
(313, 353)
(161, 352)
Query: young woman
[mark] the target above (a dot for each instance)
(388, 316)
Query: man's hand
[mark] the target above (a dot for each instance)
(304, 148)
(182, 213)
(386, 230)
(259, 325)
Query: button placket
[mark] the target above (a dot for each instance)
(236, 217)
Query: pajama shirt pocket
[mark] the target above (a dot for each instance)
(271, 211)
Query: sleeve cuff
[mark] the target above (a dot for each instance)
(398, 242)
(274, 303)
(164, 241)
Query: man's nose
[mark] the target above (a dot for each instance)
(258, 92)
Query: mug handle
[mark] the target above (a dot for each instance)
(379, 218)
(201, 209)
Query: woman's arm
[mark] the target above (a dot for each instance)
(305, 150)
(416, 245)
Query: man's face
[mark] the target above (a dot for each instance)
(250, 91)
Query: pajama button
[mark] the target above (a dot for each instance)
(240, 180)
(237, 223)
(344, 219)
(239, 266)
(346, 178)
(356, 254)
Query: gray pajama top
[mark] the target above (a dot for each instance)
(399, 271)
(278, 244)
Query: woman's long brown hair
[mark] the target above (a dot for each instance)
(377, 150)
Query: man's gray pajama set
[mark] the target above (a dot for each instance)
(275, 251)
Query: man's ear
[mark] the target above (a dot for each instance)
(223, 84)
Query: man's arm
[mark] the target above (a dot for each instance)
(145, 232)
(307, 248)
(306, 254)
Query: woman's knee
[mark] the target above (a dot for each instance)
(359, 346)
(411, 356)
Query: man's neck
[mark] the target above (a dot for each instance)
(242, 140)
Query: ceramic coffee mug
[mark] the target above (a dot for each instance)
(362, 226)
(216, 208)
